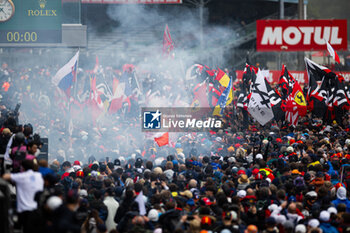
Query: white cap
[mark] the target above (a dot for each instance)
(300, 228)
(153, 215)
(83, 193)
(332, 210)
(341, 193)
(290, 149)
(259, 156)
(314, 223)
(241, 193)
(311, 194)
(324, 216)
(347, 141)
(54, 202)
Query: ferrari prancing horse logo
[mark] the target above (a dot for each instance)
(300, 99)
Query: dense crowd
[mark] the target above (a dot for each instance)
(236, 179)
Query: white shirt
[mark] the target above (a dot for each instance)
(112, 206)
(28, 183)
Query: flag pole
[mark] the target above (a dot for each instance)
(76, 75)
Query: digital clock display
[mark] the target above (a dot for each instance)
(29, 36)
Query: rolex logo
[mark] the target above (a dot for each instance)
(42, 3)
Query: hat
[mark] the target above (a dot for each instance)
(259, 156)
(341, 193)
(255, 171)
(83, 193)
(296, 172)
(240, 172)
(241, 193)
(158, 170)
(153, 215)
(234, 169)
(80, 174)
(259, 177)
(290, 149)
(231, 159)
(243, 179)
(187, 193)
(76, 162)
(311, 194)
(347, 141)
(206, 220)
(300, 228)
(324, 216)
(252, 229)
(332, 210)
(207, 201)
(314, 223)
(54, 202)
(117, 162)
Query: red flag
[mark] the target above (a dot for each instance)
(168, 44)
(162, 140)
(95, 70)
(333, 53)
(200, 96)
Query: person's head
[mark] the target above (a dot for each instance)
(169, 165)
(192, 184)
(292, 208)
(27, 164)
(66, 165)
(251, 229)
(32, 147)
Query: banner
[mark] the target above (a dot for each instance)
(129, 1)
(300, 76)
(300, 35)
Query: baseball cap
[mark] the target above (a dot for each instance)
(324, 216)
(300, 228)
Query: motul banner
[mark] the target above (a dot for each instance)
(131, 1)
(300, 35)
(273, 76)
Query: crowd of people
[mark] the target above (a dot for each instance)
(240, 178)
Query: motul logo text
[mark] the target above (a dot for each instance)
(300, 35)
(294, 35)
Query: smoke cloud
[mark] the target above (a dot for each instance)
(70, 126)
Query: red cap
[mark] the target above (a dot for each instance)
(207, 201)
(259, 176)
(240, 172)
(255, 171)
(206, 220)
(80, 174)
(237, 145)
(76, 162)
